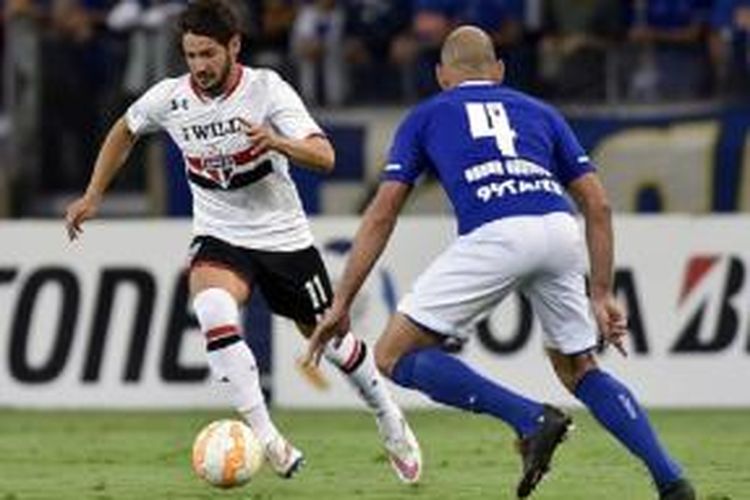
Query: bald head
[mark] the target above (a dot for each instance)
(468, 48)
(468, 54)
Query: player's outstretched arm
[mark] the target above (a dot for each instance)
(591, 198)
(111, 158)
(372, 236)
(314, 152)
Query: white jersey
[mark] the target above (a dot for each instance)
(245, 200)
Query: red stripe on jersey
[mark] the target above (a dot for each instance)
(221, 332)
(198, 164)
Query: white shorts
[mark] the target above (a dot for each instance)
(541, 256)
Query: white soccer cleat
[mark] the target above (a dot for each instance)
(401, 445)
(284, 458)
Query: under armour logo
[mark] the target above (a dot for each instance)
(177, 104)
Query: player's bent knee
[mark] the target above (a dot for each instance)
(207, 277)
(215, 307)
(568, 381)
(581, 364)
(385, 358)
(571, 368)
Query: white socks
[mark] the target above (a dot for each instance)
(356, 362)
(232, 360)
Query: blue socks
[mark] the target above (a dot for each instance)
(617, 410)
(448, 380)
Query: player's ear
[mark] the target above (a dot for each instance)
(500, 69)
(235, 44)
(441, 77)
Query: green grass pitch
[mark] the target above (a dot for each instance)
(146, 456)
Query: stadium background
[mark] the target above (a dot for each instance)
(657, 91)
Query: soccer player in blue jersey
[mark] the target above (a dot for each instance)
(505, 161)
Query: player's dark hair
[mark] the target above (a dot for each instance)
(212, 18)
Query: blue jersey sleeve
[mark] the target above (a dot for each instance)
(407, 159)
(571, 161)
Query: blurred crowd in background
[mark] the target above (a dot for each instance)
(71, 66)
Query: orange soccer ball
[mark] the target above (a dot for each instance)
(226, 453)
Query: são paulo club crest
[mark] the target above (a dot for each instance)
(220, 168)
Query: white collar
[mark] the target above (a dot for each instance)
(471, 83)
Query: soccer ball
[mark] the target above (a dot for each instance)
(226, 453)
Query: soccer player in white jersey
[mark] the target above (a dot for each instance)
(237, 128)
(504, 160)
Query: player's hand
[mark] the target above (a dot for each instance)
(612, 321)
(81, 210)
(262, 138)
(335, 323)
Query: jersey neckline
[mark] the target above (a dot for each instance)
(239, 72)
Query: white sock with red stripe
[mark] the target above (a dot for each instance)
(231, 360)
(356, 362)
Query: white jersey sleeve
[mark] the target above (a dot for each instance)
(287, 113)
(147, 113)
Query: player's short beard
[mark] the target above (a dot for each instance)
(218, 87)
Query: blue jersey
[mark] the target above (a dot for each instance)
(497, 153)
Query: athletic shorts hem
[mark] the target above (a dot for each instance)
(572, 348)
(427, 322)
